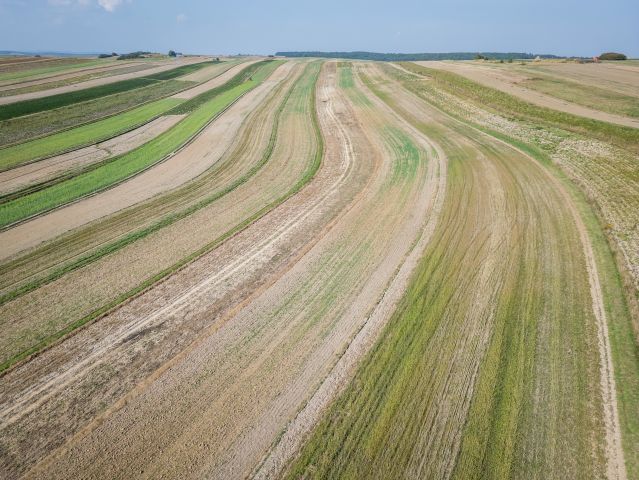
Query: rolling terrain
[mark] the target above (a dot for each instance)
(312, 268)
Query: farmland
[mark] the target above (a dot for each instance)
(318, 268)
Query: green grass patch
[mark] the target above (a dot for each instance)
(180, 71)
(131, 163)
(23, 74)
(85, 135)
(586, 95)
(254, 73)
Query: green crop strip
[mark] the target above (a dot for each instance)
(624, 137)
(305, 179)
(125, 166)
(180, 71)
(23, 75)
(28, 107)
(85, 135)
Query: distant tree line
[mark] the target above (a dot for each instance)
(397, 57)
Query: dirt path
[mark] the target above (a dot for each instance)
(97, 81)
(188, 163)
(499, 80)
(43, 170)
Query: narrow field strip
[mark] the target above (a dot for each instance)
(42, 124)
(202, 110)
(33, 176)
(22, 74)
(99, 130)
(160, 214)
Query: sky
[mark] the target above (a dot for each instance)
(561, 27)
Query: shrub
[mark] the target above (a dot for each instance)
(612, 56)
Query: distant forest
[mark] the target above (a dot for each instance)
(395, 57)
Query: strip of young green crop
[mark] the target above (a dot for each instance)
(259, 70)
(624, 347)
(181, 71)
(309, 173)
(202, 112)
(29, 107)
(85, 135)
(44, 123)
(91, 75)
(624, 137)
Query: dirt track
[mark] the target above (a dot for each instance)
(502, 81)
(98, 81)
(185, 165)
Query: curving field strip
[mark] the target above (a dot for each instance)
(99, 81)
(470, 392)
(134, 177)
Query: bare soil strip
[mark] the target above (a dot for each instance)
(38, 172)
(187, 164)
(99, 81)
(490, 78)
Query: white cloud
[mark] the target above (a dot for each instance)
(181, 18)
(109, 5)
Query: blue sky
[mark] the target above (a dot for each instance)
(564, 27)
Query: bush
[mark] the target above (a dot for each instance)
(104, 55)
(172, 53)
(612, 56)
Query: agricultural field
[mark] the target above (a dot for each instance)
(304, 268)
